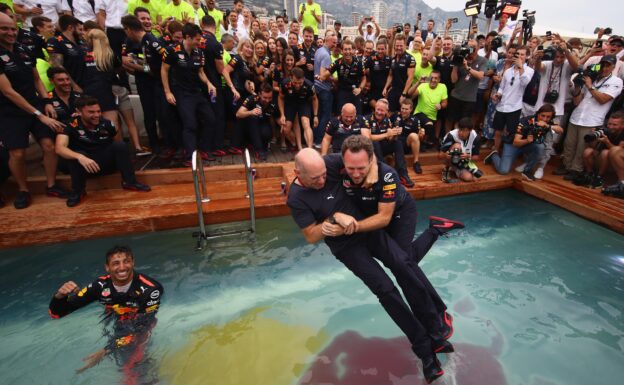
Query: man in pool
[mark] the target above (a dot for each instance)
(313, 198)
(130, 300)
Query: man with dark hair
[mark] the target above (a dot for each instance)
(36, 37)
(465, 76)
(297, 100)
(131, 300)
(304, 53)
(385, 139)
(616, 158)
(184, 81)
(351, 79)
(400, 76)
(89, 146)
(21, 93)
(256, 117)
(67, 49)
(465, 141)
(62, 97)
(412, 131)
(322, 60)
(428, 34)
(213, 67)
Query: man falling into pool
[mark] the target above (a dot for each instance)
(314, 196)
(130, 300)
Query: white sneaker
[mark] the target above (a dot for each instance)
(521, 167)
(539, 173)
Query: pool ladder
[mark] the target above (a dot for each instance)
(201, 197)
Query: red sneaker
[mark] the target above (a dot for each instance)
(444, 225)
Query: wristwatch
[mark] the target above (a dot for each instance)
(592, 88)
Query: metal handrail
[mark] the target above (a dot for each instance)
(201, 197)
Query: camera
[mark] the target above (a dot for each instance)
(454, 20)
(496, 43)
(549, 54)
(592, 72)
(464, 164)
(398, 28)
(608, 31)
(460, 53)
(589, 138)
(551, 96)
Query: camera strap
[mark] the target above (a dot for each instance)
(552, 77)
(603, 82)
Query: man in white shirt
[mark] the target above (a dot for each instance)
(614, 46)
(281, 27)
(509, 97)
(593, 100)
(84, 10)
(48, 8)
(369, 35)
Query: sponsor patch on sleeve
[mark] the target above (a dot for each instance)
(389, 187)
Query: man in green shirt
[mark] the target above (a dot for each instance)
(310, 15)
(216, 15)
(179, 10)
(432, 97)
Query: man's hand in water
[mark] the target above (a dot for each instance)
(92, 360)
(65, 290)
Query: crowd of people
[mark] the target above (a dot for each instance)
(219, 82)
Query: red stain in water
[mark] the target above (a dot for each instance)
(355, 360)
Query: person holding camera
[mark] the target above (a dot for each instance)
(600, 143)
(458, 151)
(594, 92)
(369, 35)
(468, 70)
(613, 46)
(528, 140)
(616, 158)
(509, 96)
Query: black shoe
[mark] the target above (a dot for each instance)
(444, 225)
(528, 176)
(22, 200)
(57, 192)
(571, 175)
(616, 190)
(442, 346)
(447, 325)
(75, 198)
(596, 181)
(432, 369)
(561, 170)
(406, 181)
(488, 158)
(417, 168)
(136, 186)
(582, 179)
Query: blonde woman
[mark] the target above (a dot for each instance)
(100, 73)
(239, 74)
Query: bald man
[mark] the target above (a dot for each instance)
(22, 96)
(314, 196)
(341, 127)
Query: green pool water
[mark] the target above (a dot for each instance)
(535, 291)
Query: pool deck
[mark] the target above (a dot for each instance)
(108, 210)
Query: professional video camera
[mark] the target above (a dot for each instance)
(496, 43)
(464, 164)
(398, 28)
(591, 71)
(589, 138)
(460, 53)
(549, 52)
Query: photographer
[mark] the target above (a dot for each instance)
(614, 46)
(528, 140)
(509, 96)
(468, 70)
(458, 151)
(616, 159)
(593, 98)
(600, 144)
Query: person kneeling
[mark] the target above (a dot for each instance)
(87, 143)
(459, 150)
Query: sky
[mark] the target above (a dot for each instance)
(574, 15)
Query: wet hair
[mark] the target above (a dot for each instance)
(66, 21)
(465, 123)
(117, 249)
(86, 101)
(132, 23)
(53, 71)
(190, 30)
(357, 143)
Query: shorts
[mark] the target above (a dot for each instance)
(15, 127)
(292, 109)
(458, 109)
(123, 98)
(506, 120)
(480, 104)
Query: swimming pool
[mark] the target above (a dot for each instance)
(536, 293)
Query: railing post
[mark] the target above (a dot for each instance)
(200, 195)
(250, 191)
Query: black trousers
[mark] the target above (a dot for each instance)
(154, 106)
(4, 165)
(256, 130)
(346, 96)
(386, 147)
(198, 119)
(359, 259)
(216, 137)
(111, 157)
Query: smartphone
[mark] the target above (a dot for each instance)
(454, 20)
(598, 43)
(38, 5)
(540, 47)
(419, 15)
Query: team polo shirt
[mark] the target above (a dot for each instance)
(269, 110)
(33, 41)
(307, 20)
(409, 125)
(64, 111)
(213, 50)
(340, 131)
(308, 53)
(73, 55)
(18, 68)
(399, 68)
(378, 68)
(184, 71)
(301, 95)
(377, 127)
(82, 139)
(428, 98)
(349, 74)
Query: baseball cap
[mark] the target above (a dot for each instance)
(609, 59)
